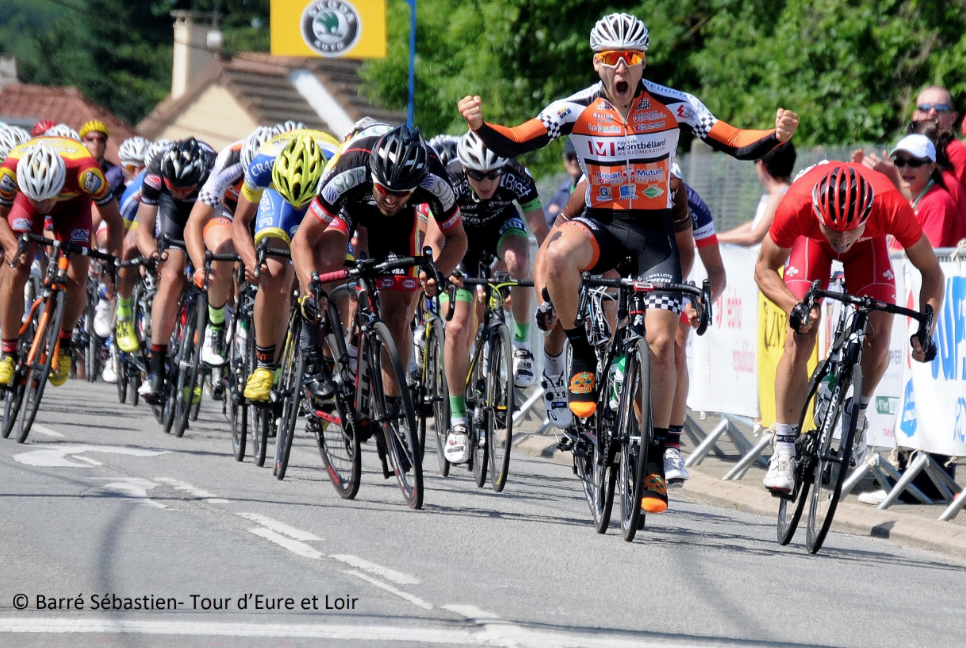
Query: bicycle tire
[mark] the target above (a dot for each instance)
(335, 434)
(237, 406)
(634, 432)
(788, 522)
(401, 437)
(120, 370)
(90, 352)
(290, 394)
(475, 413)
(13, 399)
(189, 361)
(134, 387)
(499, 403)
(596, 468)
(168, 404)
(436, 388)
(832, 461)
(39, 371)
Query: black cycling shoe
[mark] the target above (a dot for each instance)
(152, 391)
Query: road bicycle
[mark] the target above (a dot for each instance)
(132, 367)
(427, 377)
(360, 407)
(38, 353)
(827, 422)
(610, 447)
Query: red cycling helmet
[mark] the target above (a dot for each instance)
(42, 127)
(842, 199)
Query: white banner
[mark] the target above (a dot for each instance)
(723, 363)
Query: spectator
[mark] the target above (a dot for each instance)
(936, 104)
(942, 139)
(560, 198)
(915, 159)
(775, 174)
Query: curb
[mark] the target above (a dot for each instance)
(911, 530)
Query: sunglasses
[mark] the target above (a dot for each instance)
(489, 175)
(613, 58)
(385, 191)
(133, 168)
(915, 163)
(940, 107)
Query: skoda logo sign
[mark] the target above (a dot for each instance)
(330, 27)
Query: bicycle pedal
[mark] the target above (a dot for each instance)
(565, 445)
(789, 496)
(675, 483)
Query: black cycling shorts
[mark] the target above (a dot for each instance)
(172, 217)
(487, 239)
(647, 239)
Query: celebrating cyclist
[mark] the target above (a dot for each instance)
(488, 188)
(170, 189)
(625, 131)
(843, 212)
(279, 184)
(58, 178)
(376, 182)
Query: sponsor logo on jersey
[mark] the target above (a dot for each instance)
(319, 213)
(439, 188)
(653, 192)
(260, 172)
(644, 103)
(601, 147)
(8, 184)
(511, 223)
(563, 112)
(640, 128)
(685, 112)
(153, 181)
(651, 115)
(648, 175)
(628, 192)
(604, 129)
(604, 194)
(21, 224)
(92, 182)
(603, 117)
(330, 27)
(409, 283)
(337, 185)
(445, 225)
(80, 235)
(610, 177)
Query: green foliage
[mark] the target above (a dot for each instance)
(850, 68)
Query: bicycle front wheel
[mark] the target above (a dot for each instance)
(48, 331)
(395, 415)
(189, 362)
(120, 370)
(499, 404)
(90, 351)
(238, 369)
(292, 370)
(437, 389)
(476, 416)
(334, 422)
(634, 432)
(833, 456)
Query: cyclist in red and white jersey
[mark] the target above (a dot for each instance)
(625, 131)
(844, 212)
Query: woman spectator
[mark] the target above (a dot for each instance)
(775, 174)
(915, 160)
(942, 139)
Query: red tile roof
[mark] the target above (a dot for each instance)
(24, 101)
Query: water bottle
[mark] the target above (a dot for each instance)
(419, 343)
(241, 339)
(824, 397)
(616, 381)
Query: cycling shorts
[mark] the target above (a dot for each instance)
(649, 242)
(222, 218)
(277, 218)
(487, 239)
(70, 220)
(171, 219)
(396, 236)
(868, 270)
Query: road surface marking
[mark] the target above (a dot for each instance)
(415, 600)
(378, 570)
(134, 488)
(281, 527)
(46, 431)
(55, 455)
(294, 546)
(200, 493)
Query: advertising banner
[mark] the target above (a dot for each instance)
(330, 28)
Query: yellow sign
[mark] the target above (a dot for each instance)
(330, 28)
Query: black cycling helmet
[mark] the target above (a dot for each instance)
(399, 159)
(186, 164)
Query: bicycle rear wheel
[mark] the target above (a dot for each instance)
(289, 394)
(120, 370)
(49, 330)
(189, 360)
(90, 349)
(13, 399)
(790, 511)
(395, 417)
(634, 432)
(499, 404)
(476, 416)
(334, 423)
(833, 457)
(437, 390)
(238, 369)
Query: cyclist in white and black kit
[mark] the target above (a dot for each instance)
(491, 192)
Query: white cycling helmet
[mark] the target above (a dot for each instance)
(473, 154)
(156, 148)
(445, 147)
(41, 173)
(619, 31)
(10, 137)
(287, 126)
(254, 142)
(62, 130)
(133, 150)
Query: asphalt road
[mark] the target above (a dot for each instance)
(100, 505)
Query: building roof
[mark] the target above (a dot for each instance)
(24, 103)
(263, 85)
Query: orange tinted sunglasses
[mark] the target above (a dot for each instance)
(613, 58)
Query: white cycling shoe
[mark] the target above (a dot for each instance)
(457, 448)
(675, 473)
(555, 401)
(781, 473)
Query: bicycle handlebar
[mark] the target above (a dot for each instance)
(263, 251)
(69, 248)
(703, 294)
(367, 268)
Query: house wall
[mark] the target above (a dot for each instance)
(214, 116)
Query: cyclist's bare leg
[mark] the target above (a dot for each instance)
(12, 282)
(875, 351)
(128, 277)
(75, 292)
(272, 300)
(218, 240)
(568, 253)
(679, 406)
(396, 309)
(164, 310)
(791, 375)
(515, 252)
(661, 328)
(457, 341)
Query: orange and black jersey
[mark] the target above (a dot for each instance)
(627, 162)
(347, 186)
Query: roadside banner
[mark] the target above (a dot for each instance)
(330, 28)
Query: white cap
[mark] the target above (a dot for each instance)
(918, 146)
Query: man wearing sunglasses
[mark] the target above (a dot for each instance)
(377, 181)
(488, 190)
(936, 103)
(625, 131)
